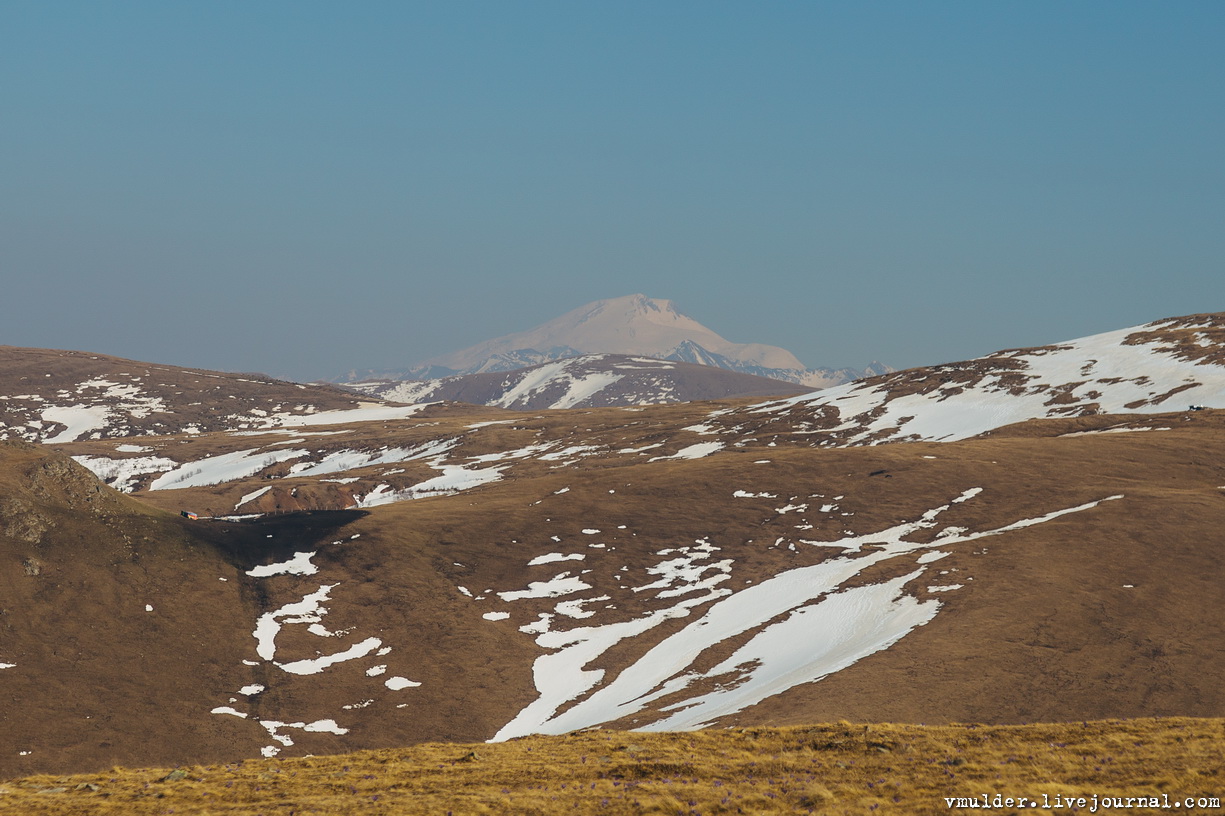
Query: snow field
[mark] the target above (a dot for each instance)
(804, 624)
(226, 467)
(121, 474)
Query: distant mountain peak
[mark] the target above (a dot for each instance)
(633, 325)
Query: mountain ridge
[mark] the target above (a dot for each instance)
(585, 381)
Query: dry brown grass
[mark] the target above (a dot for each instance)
(838, 768)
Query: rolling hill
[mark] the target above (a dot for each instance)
(473, 573)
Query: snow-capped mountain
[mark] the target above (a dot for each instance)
(631, 325)
(586, 381)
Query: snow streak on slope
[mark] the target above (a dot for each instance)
(577, 389)
(593, 380)
(224, 468)
(804, 623)
(311, 612)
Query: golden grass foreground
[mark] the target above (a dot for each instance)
(839, 768)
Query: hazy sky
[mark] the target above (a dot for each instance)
(305, 187)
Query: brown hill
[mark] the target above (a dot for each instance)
(1169, 365)
(52, 395)
(599, 580)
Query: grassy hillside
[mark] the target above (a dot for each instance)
(831, 769)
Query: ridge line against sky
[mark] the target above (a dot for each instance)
(304, 188)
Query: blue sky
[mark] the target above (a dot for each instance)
(302, 188)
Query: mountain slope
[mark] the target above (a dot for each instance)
(686, 584)
(631, 325)
(593, 380)
(1172, 364)
(475, 573)
(57, 396)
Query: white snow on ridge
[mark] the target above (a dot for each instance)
(1100, 370)
(369, 412)
(223, 468)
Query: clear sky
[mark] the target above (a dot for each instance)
(306, 187)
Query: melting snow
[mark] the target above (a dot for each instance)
(574, 609)
(1112, 431)
(318, 664)
(397, 683)
(300, 564)
(227, 710)
(1101, 371)
(121, 474)
(572, 451)
(698, 451)
(339, 461)
(252, 496)
(319, 726)
(78, 419)
(550, 558)
(564, 584)
(454, 478)
(224, 468)
(546, 378)
(803, 624)
(369, 412)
